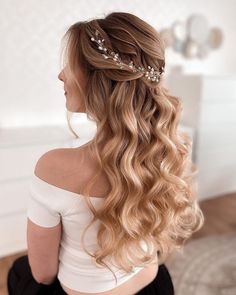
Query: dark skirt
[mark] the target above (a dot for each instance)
(21, 282)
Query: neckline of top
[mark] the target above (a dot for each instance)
(64, 191)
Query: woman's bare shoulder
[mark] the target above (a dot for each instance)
(56, 163)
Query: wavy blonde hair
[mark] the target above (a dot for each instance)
(152, 197)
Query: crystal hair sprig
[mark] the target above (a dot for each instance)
(150, 73)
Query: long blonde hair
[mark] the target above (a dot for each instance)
(147, 160)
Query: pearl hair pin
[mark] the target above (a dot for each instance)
(150, 74)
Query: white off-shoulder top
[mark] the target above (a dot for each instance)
(47, 206)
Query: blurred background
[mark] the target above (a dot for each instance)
(200, 40)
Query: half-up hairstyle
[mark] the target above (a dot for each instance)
(147, 160)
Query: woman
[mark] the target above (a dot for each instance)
(130, 188)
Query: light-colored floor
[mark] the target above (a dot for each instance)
(219, 215)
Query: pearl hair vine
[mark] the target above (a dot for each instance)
(149, 73)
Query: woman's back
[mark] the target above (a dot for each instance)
(74, 167)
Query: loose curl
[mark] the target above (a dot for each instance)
(147, 161)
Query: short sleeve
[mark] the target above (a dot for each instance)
(42, 206)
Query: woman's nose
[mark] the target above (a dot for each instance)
(60, 76)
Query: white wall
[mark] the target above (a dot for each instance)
(31, 32)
